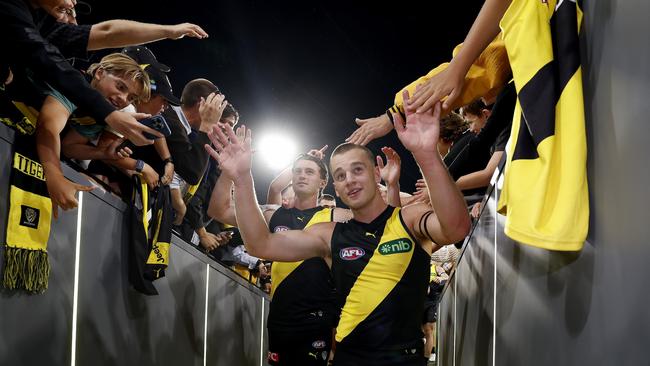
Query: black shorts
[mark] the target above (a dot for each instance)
(354, 356)
(296, 348)
(430, 312)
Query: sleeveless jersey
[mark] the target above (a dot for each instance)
(381, 275)
(303, 296)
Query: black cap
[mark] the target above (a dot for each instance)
(144, 56)
(160, 84)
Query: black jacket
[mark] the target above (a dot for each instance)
(24, 46)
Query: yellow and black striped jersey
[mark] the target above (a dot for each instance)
(545, 192)
(381, 274)
(303, 296)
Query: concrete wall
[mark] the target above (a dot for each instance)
(585, 308)
(114, 324)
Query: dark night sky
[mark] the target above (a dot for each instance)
(310, 66)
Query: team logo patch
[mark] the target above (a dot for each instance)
(402, 245)
(279, 229)
(351, 253)
(29, 216)
(318, 344)
(273, 357)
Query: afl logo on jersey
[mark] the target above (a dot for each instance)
(351, 253)
(279, 229)
(318, 344)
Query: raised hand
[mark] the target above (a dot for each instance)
(421, 131)
(318, 154)
(179, 31)
(391, 170)
(370, 129)
(232, 151)
(210, 109)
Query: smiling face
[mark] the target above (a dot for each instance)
(355, 178)
(119, 91)
(306, 178)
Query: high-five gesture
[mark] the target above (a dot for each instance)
(232, 151)
(390, 171)
(421, 131)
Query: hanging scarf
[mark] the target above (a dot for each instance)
(26, 264)
(161, 234)
(150, 236)
(28, 227)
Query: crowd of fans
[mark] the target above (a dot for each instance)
(89, 118)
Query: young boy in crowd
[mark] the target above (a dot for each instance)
(121, 81)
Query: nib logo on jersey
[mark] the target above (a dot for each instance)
(402, 245)
(351, 253)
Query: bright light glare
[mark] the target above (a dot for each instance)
(276, 150)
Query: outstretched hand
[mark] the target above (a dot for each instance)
(231, 150)
(421, 131)
(370, 129)
(179, 31)
(390, 171)
(448, 83)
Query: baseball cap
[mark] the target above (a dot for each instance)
(156, 70)
(144, 56)
(160, 84)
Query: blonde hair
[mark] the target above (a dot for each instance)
(124, 66)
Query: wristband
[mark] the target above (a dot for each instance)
(139, 165)
(168, 160)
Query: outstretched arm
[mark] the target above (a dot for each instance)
(449, 83)
(274, 196)
(234, 154)
(482, 177)
(118, 33)
(449, 221)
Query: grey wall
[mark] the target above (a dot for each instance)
(115, 324)
(585, 308)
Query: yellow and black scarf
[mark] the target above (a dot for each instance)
(30, 208)
(150, 236)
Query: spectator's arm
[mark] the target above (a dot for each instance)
(75, 146)
(482, 177)
(243, 258)
(121, 33)
(51, 121)
(25, 47)
(274, 196)
(163, 152)
(449, 83)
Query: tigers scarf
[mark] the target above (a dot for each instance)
(150, 236)
(28, 227)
